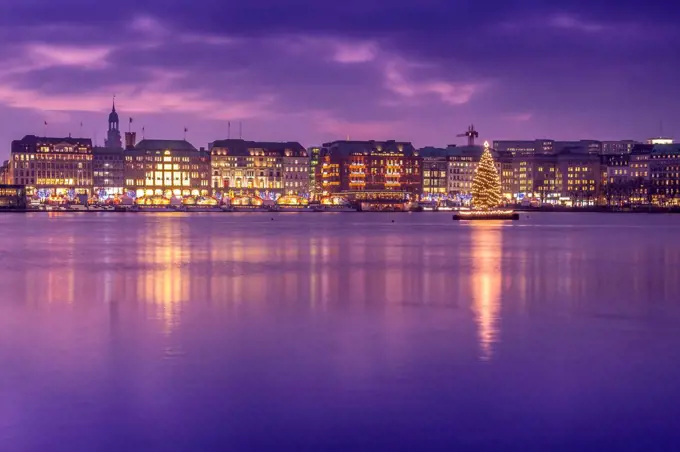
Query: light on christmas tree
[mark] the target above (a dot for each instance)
(486, 184)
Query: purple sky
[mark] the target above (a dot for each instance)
(312, 71)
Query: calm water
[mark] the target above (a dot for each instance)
(142, 332)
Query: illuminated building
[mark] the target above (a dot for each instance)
(660, 140)
(664, 170)
(4, 172)
(639, 173)
(12, 196)
(580, 177)
(462, 162)
(108, 169)
(264, 168)
(435, 169)
(314, 165)
(108, 165)
(529, 176)
(166, 168)
(52, 167)
(618, 147)
(370, 166)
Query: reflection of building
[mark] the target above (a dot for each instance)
(252, 166)
(370, 165)
(167, 168)
(52, 166)
(12, 196)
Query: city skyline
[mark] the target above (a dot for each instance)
(316, 73)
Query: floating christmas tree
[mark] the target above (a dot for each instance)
(486, 185)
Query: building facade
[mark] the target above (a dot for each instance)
(435, 170)
(376, 166)
(108, 172)
(461, 165)
(52, 167)
(664, 171)
(314, 164)
(268, 169)
(167, 168)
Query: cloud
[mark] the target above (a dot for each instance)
(43, 55)
(570, 22)
(323, 68)
(338, 128)
(355, 53)
(448, 92)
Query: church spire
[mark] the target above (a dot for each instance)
(113, 107)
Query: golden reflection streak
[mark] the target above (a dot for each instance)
(485, 283)
(163, 284)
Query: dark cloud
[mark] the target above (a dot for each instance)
(422, 68)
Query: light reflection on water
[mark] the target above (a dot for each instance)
(184, 332)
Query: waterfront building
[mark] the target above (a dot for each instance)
(108, 171)
(461, 164)
(435, 170)
(108, 165)
(314, 163)
(166, 168)
(267, 169)
(370, 166)
(52, 167)
(616, 185)
(529, 176)
(4, 172)
(12, 196)
(618, 147)
(664, 171)
(580, 177)
(639, 173)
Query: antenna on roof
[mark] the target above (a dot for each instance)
(228, 129)
(240, 130)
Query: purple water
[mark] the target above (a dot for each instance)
(325, 332)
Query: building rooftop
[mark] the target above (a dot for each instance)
(346, 147)
(161, 145)
(237, 143)
(664, 149)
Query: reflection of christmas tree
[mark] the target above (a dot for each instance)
(486, 185)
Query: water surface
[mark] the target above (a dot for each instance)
(188, 332)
